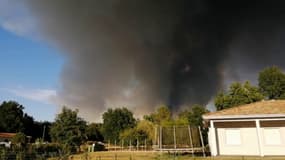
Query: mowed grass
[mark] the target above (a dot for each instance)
(141, 155)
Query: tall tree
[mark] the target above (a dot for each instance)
(160, 117)
(68, 129)
(195, 119)
(271, 82)
(11, 117)
(115, 121)
(182, 118)
(238, 94)
(93, 132)
(145, 130)
(30, 128)
(195, 115)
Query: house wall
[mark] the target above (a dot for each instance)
(248, 142)
(212, 141)
(273, 149)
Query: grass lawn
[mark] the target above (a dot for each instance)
(126, 155)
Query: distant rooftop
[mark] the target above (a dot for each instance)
(269, 108)
(7, 135)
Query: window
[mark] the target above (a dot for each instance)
(233, 137)
(272, 136)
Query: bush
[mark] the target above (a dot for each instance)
(19, 140)
(43, 151)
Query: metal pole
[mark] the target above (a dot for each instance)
(130, 143)
(174, 136)
(191, 142)
(108, 145)
(137, 144)
(122, 148)
(44, 131)
(144, 145)
(202, 141)
(160, 138)
(115, 145)
(155, 136)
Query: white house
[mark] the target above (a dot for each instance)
(252, 129)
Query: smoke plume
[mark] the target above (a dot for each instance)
(142, 53)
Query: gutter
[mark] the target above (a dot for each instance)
(250, 116)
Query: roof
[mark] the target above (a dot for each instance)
(261, 109)
(7, 135)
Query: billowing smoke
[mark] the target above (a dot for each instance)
(142, 53)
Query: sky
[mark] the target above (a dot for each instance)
(94, 55)
(29, 74)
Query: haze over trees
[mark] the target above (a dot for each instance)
(195, 115)
(161, 116)
(238, 94)
(271, 85)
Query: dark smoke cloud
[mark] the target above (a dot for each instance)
(142, 53)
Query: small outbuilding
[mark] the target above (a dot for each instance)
(256, 129)
(5, 139)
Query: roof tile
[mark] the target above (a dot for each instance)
(258, 108)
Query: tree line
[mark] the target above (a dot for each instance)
(14, 120)
(70, 131)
